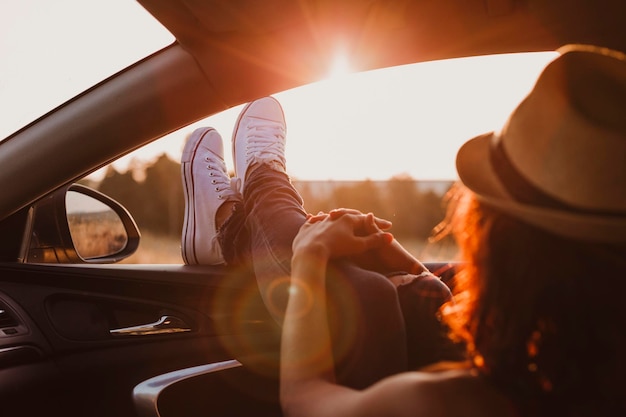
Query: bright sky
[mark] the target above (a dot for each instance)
(51, 50)
(404, 120)
(373, 125)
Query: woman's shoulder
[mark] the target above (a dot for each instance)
(454, 392)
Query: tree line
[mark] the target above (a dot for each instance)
(157, 201)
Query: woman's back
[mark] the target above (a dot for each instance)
(450, 393)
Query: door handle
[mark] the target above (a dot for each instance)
(166, 324)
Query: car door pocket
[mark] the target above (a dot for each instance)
(84, 318)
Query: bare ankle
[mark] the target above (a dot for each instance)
(223, 214)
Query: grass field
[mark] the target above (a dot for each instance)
(97, 233)
(155, 249)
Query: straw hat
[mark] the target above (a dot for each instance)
(559, 163)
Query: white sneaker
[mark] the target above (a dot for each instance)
(207, 186)
(259, 137)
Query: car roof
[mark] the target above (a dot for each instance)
(228, 53)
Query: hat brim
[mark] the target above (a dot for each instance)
(475, 170)
(476, 173)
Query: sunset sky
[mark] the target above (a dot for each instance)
(406, 120)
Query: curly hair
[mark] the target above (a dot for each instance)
(542, 316)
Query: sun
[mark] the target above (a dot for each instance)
(339, 67)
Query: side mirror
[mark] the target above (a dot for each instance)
(78, 224)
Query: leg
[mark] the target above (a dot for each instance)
(364, 317)
(274, 214)
(366, 324)
(208, 194)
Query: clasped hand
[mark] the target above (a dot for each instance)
(334, 235)
(361, 237)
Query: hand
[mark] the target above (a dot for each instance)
(340, 236)
(387, 258)
(368, 227)
(372, 225)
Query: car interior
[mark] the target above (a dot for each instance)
(82, 334)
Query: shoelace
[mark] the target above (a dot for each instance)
(225, 187)
(266, 142)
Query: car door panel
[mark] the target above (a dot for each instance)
(234, 390)
(66, 314)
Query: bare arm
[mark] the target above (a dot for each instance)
(308, 386)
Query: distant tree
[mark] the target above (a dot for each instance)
(156, 203)
(122, 188)
(313, 201)
(404, 207)
(413, 212)
(163, 197)
(365, 196)
(429, 211)
(89, 182)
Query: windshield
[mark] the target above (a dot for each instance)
(54, 50)
(401, 121)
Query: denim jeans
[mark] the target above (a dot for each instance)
(365, 313)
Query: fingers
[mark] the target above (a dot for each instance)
(336, 213)
(382, 223)
(379, 223)
(373, 224)
(376, 240)
(361, 224)
(310, 218)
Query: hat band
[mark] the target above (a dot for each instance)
(523, 191)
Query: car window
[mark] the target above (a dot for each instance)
(45, 63)
(381, 141)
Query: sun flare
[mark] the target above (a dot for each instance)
(340, 66)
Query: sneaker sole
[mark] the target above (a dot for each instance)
(188, 250)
